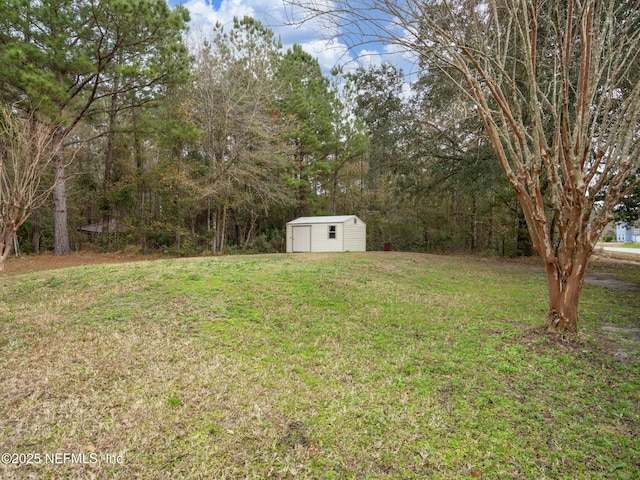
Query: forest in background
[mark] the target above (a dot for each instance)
(211, 144)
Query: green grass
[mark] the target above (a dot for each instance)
(325, 366)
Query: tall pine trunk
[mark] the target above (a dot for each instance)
(140, 181)
(60, 225)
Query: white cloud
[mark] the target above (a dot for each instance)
(402, 58)
(369, 58)
(330, 53)
(204, 15)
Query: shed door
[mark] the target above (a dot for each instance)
(301, 238)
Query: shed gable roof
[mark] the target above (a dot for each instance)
(323, 219)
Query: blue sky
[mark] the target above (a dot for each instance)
(314, 37)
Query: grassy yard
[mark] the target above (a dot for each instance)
(336, 366)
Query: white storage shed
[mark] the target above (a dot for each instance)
(343, 233)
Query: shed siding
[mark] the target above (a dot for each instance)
(355, 236)
(320, 241)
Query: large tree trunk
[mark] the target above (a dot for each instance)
(566, 272)
(108, 160)
(6, 242)
(564, 296)
(140, 182)
(61, 230)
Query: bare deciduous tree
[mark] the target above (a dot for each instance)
(557, 87)
(26, 151)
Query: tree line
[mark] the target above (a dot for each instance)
(160, 140)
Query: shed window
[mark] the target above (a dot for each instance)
(332, 231)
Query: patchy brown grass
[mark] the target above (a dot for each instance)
(373, 365)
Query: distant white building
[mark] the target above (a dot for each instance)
(627, 232)
(343, 233)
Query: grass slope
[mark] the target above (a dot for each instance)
(364, 366)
